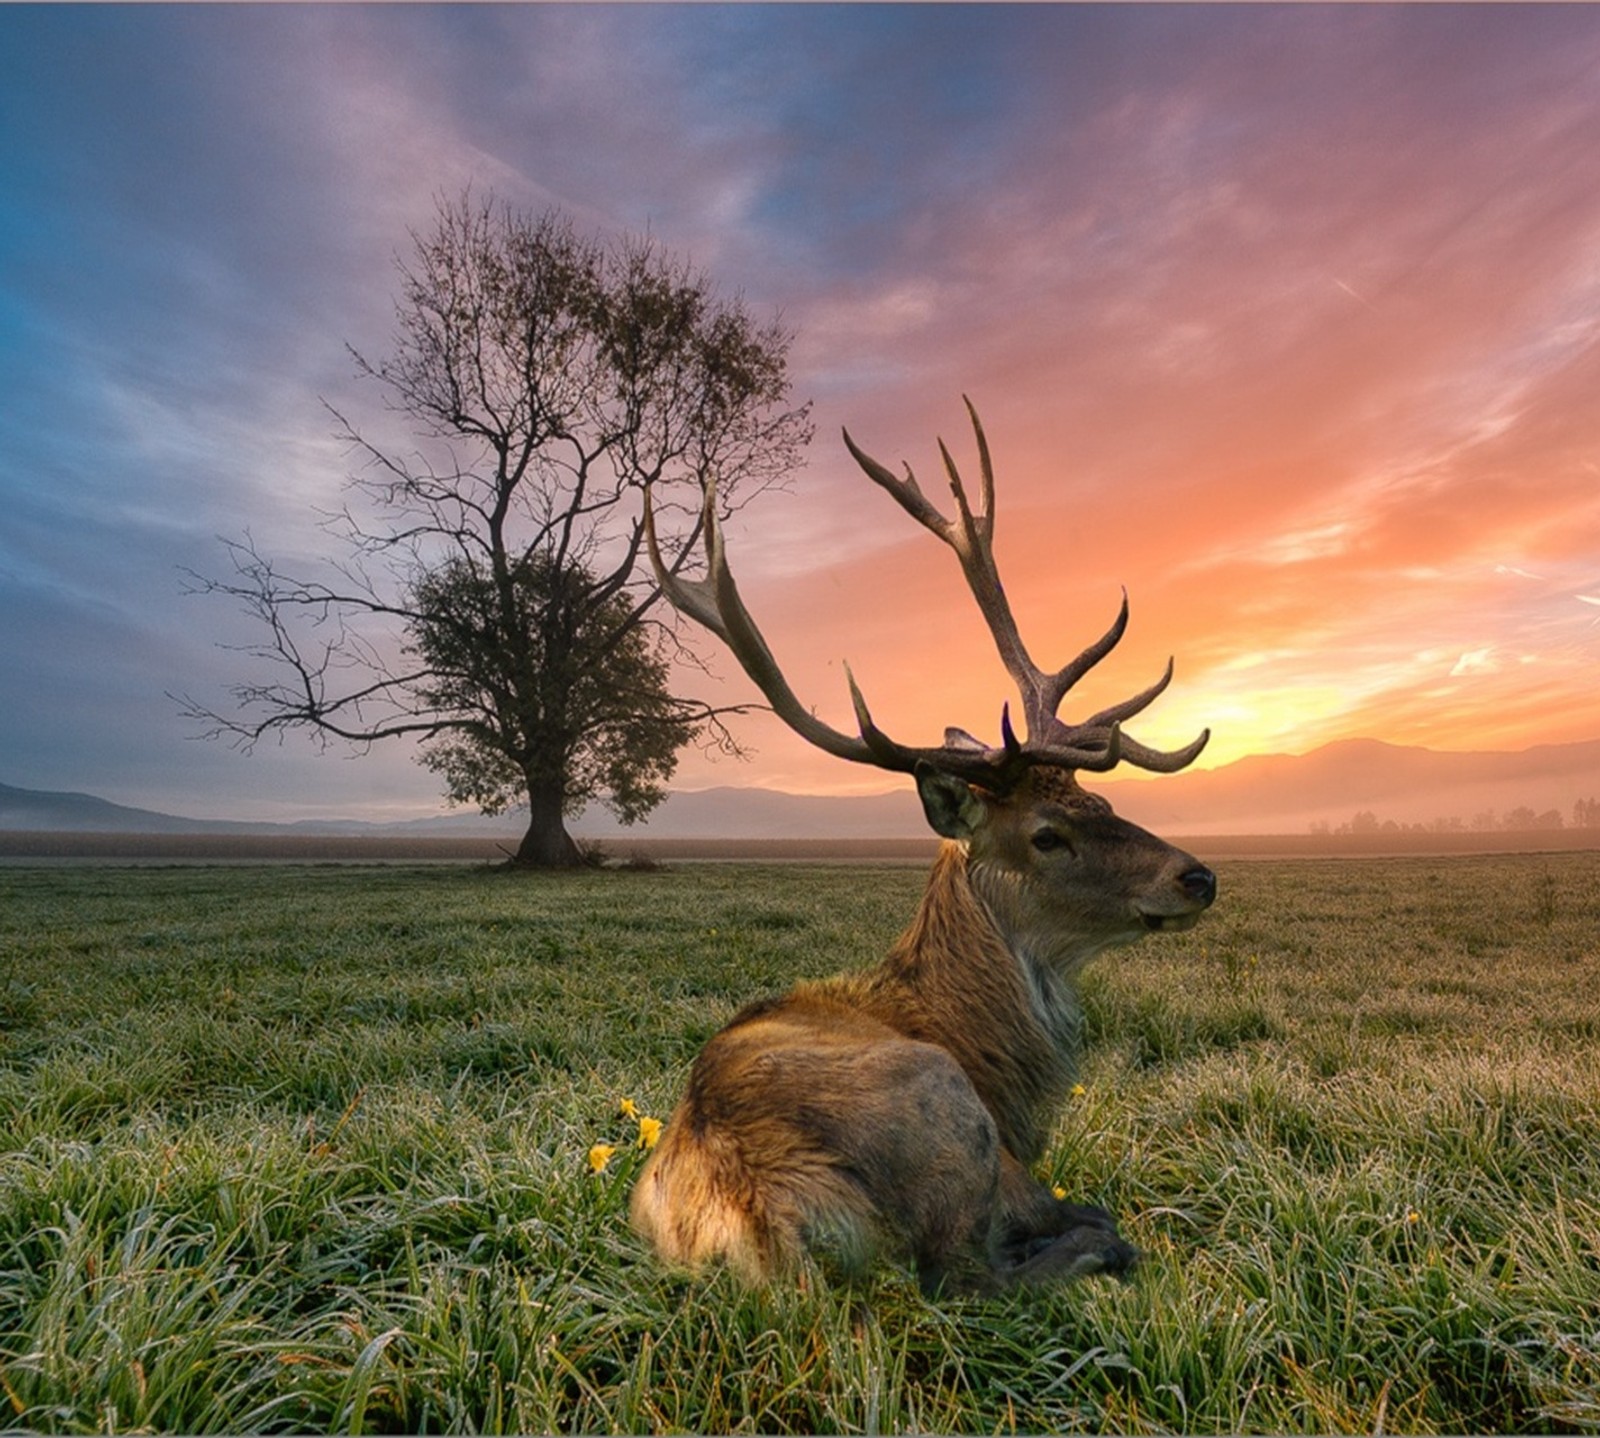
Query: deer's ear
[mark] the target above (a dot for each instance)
(951, 804)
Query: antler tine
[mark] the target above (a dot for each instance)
(1164, 761)
(1008, 735)
(694, 597)
(884, 750)
(1056, 685)
(1101, 760)
(976, 529)
(906, 492)
(985, 466)
(970, 532)
(1116, 713)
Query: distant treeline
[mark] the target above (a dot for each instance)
(1585, 815)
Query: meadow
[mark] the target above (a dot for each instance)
(308, 1147)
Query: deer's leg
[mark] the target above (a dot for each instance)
(906, 1130)
(928, 1153)
(922, 1144)
(918, 1140)
(1039, 1238)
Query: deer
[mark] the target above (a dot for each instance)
(904, 1108)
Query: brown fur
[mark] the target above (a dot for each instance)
(904, 1104)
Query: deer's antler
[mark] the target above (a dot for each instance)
(1096, 744)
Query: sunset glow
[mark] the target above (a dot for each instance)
(1285, 319)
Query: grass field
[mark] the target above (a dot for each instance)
(306, 1147)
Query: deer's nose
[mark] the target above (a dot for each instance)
(1199, 883)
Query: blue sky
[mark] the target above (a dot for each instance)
(1285, 317)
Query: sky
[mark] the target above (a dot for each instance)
(1285, 318)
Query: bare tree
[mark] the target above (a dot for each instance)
(490, 600)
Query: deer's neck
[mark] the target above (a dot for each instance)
(955, 978)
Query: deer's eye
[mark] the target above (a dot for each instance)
(1047, 841)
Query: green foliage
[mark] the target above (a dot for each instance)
(545, 676)
(306, 1149)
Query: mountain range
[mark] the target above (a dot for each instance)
(1264, 794)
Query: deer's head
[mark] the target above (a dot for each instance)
(1061, 875)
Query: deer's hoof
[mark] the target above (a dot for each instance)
(1080, 1252)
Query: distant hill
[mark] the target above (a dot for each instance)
(711, 813)
(38, 809)
(1266, 794)
(1285, 794)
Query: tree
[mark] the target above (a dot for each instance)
(609, 725)
(490, 601)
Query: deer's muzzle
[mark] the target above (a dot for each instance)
(1196, 890)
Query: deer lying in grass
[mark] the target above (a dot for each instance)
(907, 1103)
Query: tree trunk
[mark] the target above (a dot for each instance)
(546, 844)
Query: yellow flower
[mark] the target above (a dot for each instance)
(600, 1156)
(628, 1109)
(649, 1132)
(1078, 1090)
(1412, 1216)
(1058, 1192)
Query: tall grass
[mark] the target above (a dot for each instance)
(307, 1149)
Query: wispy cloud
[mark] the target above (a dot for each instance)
(1284, 317)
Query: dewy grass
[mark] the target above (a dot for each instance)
(308, 1149)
